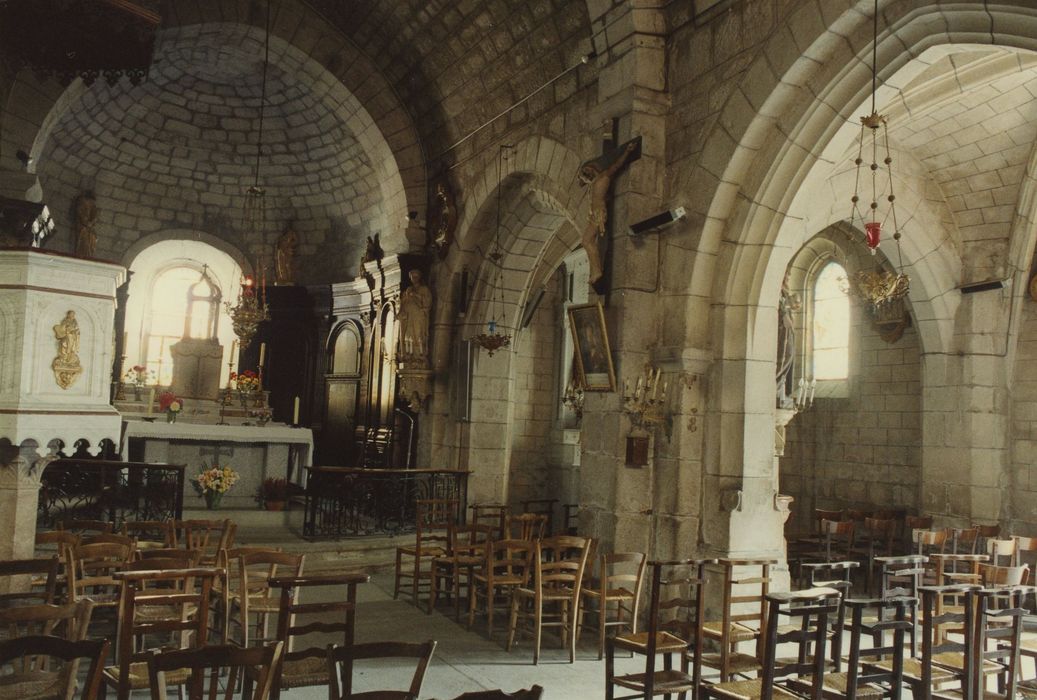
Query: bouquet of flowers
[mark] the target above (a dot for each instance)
(139, 375)
(246, 382)
(171, 404)
(213, 482)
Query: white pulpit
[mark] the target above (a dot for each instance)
(56, 345)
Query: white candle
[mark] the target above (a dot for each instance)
(151, 400)
(262, 354)
(295, 415)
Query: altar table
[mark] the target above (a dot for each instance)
(255, 452)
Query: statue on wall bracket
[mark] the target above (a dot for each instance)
(442, 216)
(86, 222)
(284, 256)
(598, 175)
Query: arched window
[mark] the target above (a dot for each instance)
(166, 285)
(831, 325)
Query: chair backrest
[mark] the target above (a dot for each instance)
(492, 514)
(918, 522)
(1025, 547)
(19, 575)
(432, 523)
(109, 538)
(255, 569)
(893, 615)
(838, 538)
(821, 514)
(545, 507)
(344, 605)
(342, 660)
(32, 652)
(183, 593)
(526, 526)
(800, 618)
(81, 527)
(1002, 552)
(964, 540)
(882, 534)
(534, 693)
(209, 536)
(999, 619)
(746, 586)
(935, 617)
(69, 621)
(209, 662)
(929, 541)
(55, 542)
(151, 531)
(188, 558)
(623, 571)
(508, 558)
(471, 538)
(91, 568)
(991, 575)
(559, 562)
(676, 605)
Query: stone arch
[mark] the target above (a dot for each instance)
(789, 114)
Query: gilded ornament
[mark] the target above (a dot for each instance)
(66, 365)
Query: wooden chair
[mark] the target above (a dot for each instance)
(55, 542)
(30, 677)
(805, 614)
(342, 660)
(545, 507)
(431, 540)
(837, 543)
(211, 662)
(180, 591)
(987, 532)
(902, 577)
(1025, 551)
(36, 679)
(150, 534)
(675, 612)
(228, 561)
(29, 581)
(83, 527)
(254, 595)
(309, 667)
(208, 536)
(492, 514)
(862, 680)
(558, 566)
(526, 526)
(505, 566)
(110, 538)
(752, 579)
(912, 523)
(465, 553)
(534, 693)
(999, 620)
(878, 539)
(619, 582)
(91, 573)
(836, 575)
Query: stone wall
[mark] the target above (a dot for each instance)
(1023, 470)
(862, 450)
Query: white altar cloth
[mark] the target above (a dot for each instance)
(255, 452)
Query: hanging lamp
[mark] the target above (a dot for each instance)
(877, 286)
(495, 338)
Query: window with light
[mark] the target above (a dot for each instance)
(831, 325)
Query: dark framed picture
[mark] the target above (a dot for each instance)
(594, 367)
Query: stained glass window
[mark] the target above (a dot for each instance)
(831, 325)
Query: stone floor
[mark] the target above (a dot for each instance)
(466, 661)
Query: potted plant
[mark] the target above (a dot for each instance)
(272, 494)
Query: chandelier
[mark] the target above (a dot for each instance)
(495, 336)
(250, 310)
(254, 218)
(878, 286)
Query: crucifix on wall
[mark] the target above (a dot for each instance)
(598, 174)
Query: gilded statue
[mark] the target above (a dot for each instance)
(66, 365)
(86, 221)
(415, 306)
(599, 179)
(284, 257)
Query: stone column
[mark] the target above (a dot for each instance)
(20, 473)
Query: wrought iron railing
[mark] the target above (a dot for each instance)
(96, 489)
(344, 501)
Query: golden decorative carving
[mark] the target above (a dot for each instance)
(66, 365)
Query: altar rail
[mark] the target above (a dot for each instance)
(343, 501)
(100, 489)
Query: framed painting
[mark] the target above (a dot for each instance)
(594, 368)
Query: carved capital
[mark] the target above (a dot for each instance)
(23, 470)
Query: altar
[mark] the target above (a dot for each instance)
(255, 452)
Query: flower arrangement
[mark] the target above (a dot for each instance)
(139, 375)
(246, 382)
(262, 415)
(213, 482)
(171, 404)
(272, 493)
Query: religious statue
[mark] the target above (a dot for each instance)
(66, 365)
(415, 306)
(787, 304)
(599, 178)
(86, 220)
(284, 256)
(372, 253)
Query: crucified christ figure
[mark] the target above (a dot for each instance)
(599, 180)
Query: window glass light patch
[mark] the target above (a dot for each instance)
(831, 326)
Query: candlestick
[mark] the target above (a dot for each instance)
(262, 355)
(295, 415)
(151, 400)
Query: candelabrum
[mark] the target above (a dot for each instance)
(573, 398)
(644, 404)
(803, 398)
(249, 312)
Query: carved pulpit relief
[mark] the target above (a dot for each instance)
(66, 365)
(197, 356)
